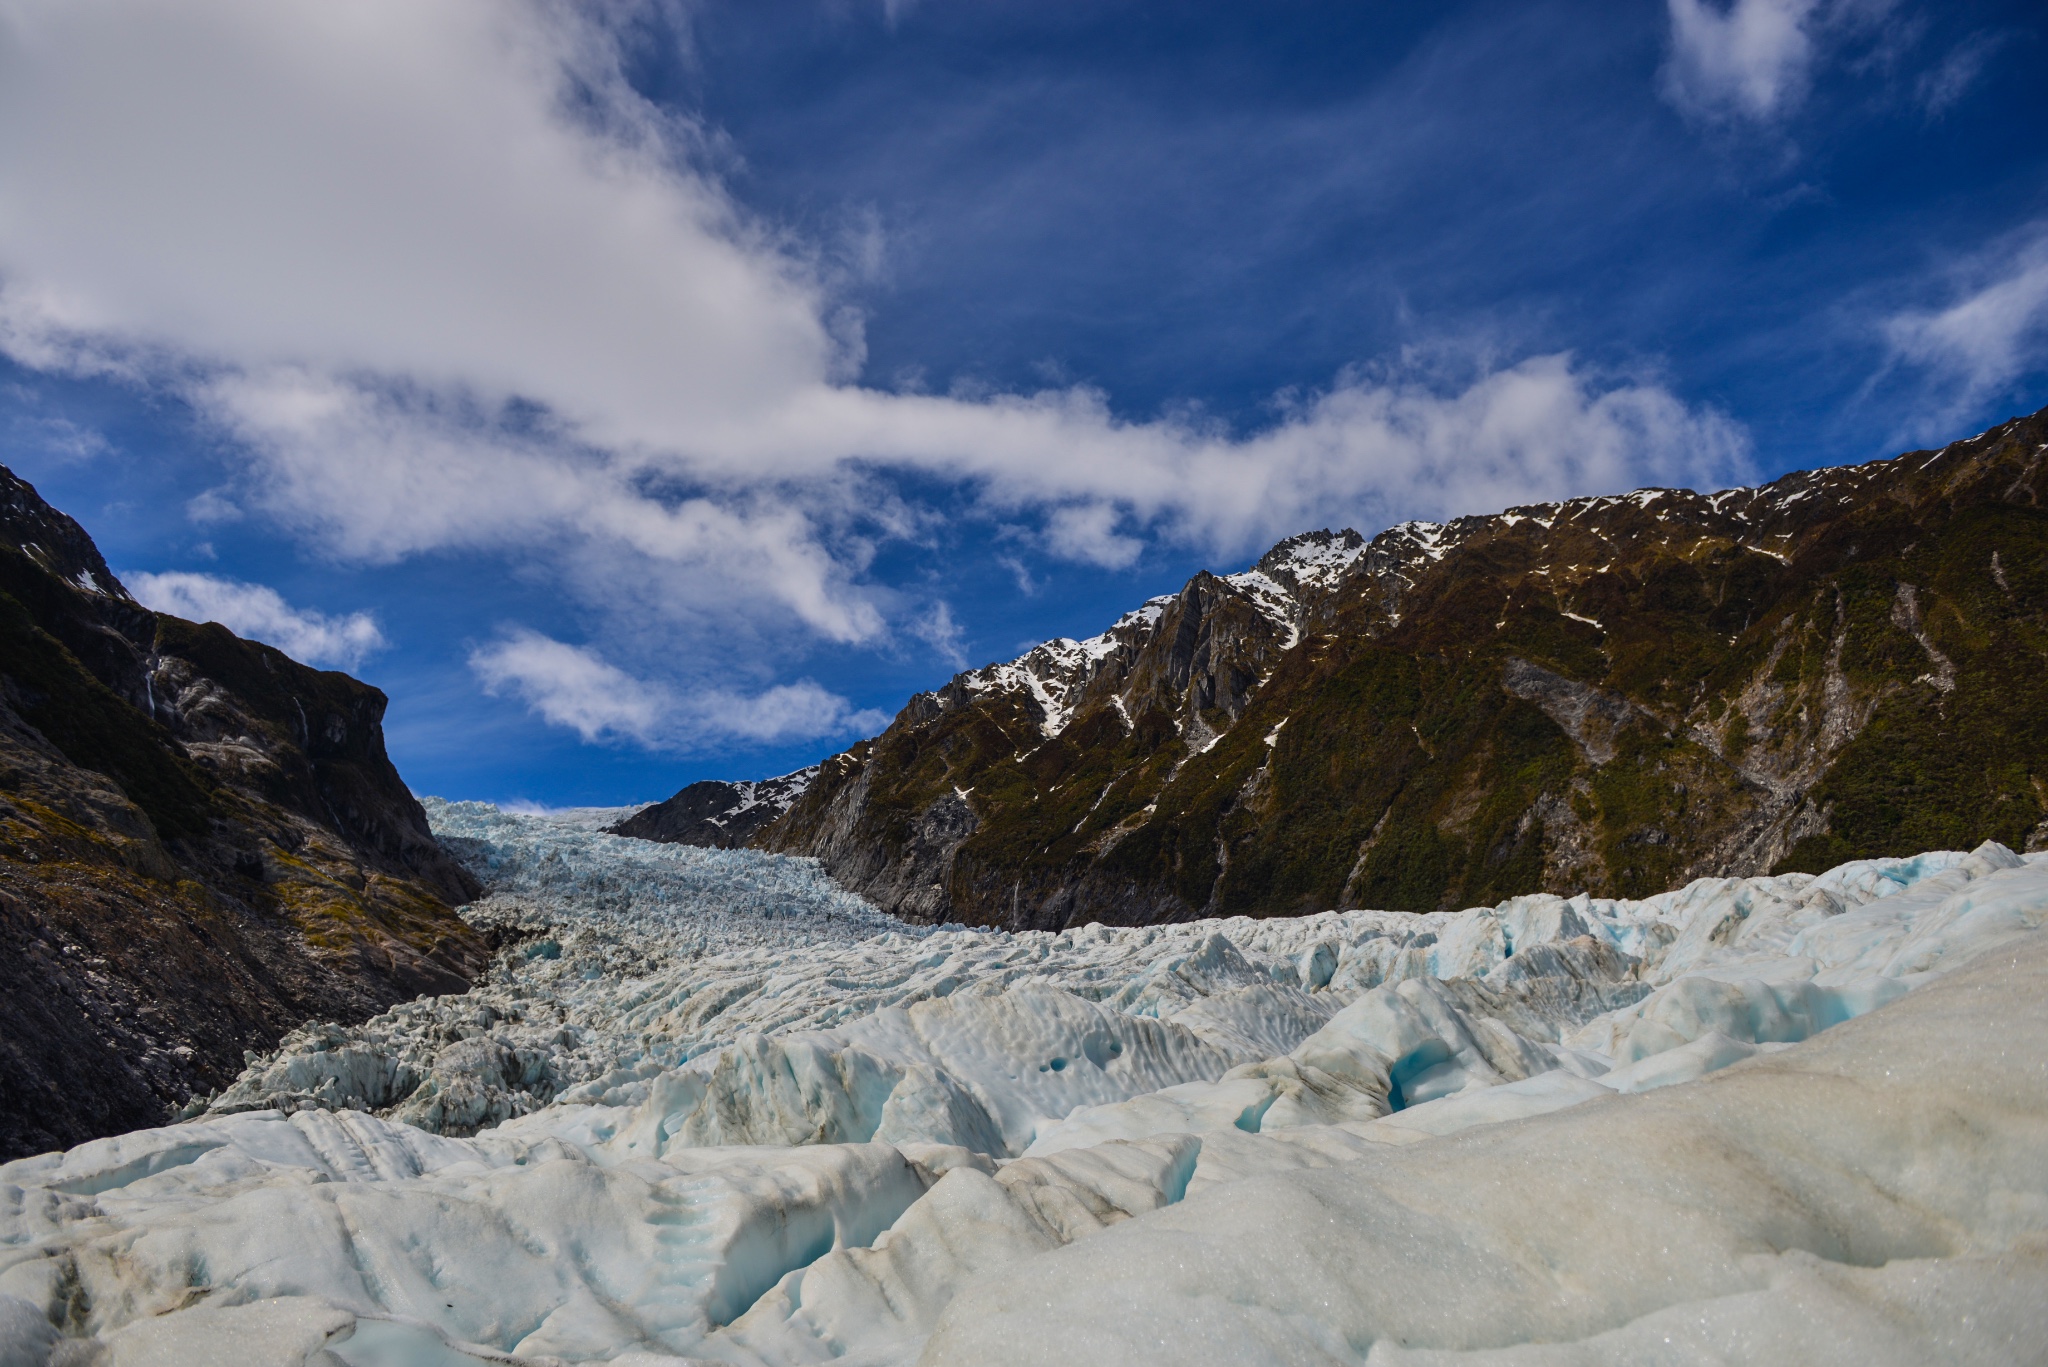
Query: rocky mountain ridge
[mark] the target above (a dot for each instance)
(716, 814)
(202, 845)
(1610, 694)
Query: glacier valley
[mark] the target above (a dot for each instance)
(708, 1107)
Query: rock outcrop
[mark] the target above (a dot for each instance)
(202, 844)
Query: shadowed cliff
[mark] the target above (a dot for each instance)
(202, 844)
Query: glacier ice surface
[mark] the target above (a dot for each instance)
(709, 1107)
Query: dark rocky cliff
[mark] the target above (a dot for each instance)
(202, 845)
(1611, 694)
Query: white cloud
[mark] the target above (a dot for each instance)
(1088, 532)
(1753, 59)
(571, 686)
(382, 476)
(212, 508)
(575, 687)
(450, 285)
(261, 614)
(798, 711)
(394, 187)
(1995, 332)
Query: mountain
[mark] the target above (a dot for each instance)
(716, 814)
(1610, 694)
(202, 845)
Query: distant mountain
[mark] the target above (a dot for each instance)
(716, 814)
(202, 845)
(1609, 694)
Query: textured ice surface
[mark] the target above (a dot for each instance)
(710, 1107)
(567, 867)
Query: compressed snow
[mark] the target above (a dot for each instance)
(710, 1105)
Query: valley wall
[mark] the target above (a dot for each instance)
(1611, 694)
(202, 845)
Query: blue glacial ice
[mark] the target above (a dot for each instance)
(709, 1107)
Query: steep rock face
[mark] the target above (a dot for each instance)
(714, 814)
(202, 844)
(1611, 694)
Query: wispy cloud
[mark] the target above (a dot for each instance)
(575, 687)
(60, 437)
(1754, 59)
(450, 285)
(938, 630)
(261, 614)
(1938, 90)
(212, 508)
(1021, 572)
(1992, 331)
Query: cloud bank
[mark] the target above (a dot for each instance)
(261, 614)
(575, 687)
(450, 285)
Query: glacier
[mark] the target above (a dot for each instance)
(708, 1107)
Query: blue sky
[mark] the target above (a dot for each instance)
(646, 390)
